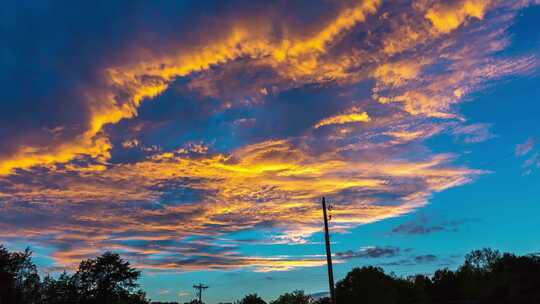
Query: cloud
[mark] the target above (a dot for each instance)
(427, 258)
(474, 133)
(159, 138)
(424, 225)
(387, 252)
(150, 71)
(418, 260)
(414, 228)
(447, 17)
(343, 119)
(128, 72)
(524, 148)
(399, 72)
(172, 196)
(533, 157)
(370, 252)
(257, 264)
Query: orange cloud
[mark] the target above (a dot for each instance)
(298, 57)
(397, 73)
(270, 182)
(446, 18)
(343, 119)
(145, 79)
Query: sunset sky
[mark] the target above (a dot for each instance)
(196, 138)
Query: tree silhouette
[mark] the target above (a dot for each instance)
(251, 299)
(482, 260)
(372, 285)
(19, 279)
(513, 279)
(108, 279)
(64, 290)
(486, 277)
(295, 297)
(323, 300)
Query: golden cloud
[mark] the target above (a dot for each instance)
(352, 116)
(446, 18)
(270, 182)
(148, 78)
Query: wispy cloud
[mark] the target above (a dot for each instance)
(524, 148)
(474, 133)
(527, 150)
(425, 225)
(370, 252)
(343, 119)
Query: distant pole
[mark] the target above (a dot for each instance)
(328, 255)
(200, 289)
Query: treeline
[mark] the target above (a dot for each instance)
(107, 279)
(486, 277)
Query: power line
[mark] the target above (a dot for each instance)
(199, 288)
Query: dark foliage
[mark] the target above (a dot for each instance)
(251, 299)
(486, 277)
(372, 285)
(106, 279)
(325, 300)
(19, 279)
(295, 297)
(63, 290)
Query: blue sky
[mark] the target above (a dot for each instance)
(196, 139)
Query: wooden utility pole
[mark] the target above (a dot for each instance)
(200, 289)
(328, 255)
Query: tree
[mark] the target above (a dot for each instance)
(445, 286)
(19, 279)
(251, 299)
(420, 285)
(64, 290)
(108, 279)
(514, 279)
(482, 259)
(487, 277)
(295, 297)
(371, 285)
(323, 300)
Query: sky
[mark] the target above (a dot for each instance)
(196, 138)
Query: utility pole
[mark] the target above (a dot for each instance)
(200, 287)
(328, 255)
